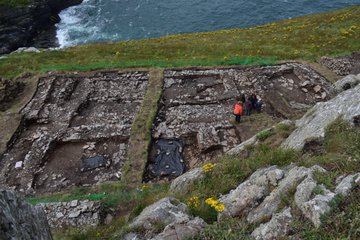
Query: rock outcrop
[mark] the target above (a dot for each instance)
(254, 140)
(32, 25)
(183, 183)
(259, 199)
(166, 219)
(350, 81)
(20, 220)
(277, 227)
(312, 125)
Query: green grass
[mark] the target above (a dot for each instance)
(140, 136)
(308, 37)
(229, 229)
(265, 134)
(14, 3)
(111, 195)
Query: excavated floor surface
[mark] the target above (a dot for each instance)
(76, 116)
(197, 105)
(69, 117)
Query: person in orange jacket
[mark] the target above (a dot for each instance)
(238, 110)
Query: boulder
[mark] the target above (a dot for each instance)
(242, 146)
(319, 205)
(181, 230)
(250, 193)
(254, 140)
(350, 81)
(168, 216)
(347, 184)
(20, 220)
(183, 183)
(271, 203)
(277, 227)
(314, 207)
(312, 125)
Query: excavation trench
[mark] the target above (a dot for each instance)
(90, 117)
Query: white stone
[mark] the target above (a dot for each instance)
(19, 164)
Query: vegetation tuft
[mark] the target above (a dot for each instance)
(14, 3)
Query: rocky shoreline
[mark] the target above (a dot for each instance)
(33, 25)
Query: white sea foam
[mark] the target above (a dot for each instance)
(74, 26)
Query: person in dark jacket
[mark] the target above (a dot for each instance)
(253, 100)
(248, 107)
(259, 104)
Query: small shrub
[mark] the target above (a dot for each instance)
(284, 130)
(228, 228)
(265, 134)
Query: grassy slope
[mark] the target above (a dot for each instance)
(308, 37)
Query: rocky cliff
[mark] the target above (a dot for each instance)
(32, 25)
(20, 220)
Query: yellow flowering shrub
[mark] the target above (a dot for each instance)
(208, 167)
(219, 207)
(193, 202)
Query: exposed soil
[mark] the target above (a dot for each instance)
(9, 91)
(69, 117)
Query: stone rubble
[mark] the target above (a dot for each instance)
(343, 65)
(74, 213)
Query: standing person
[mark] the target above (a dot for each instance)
(238, 109)
(259, 105)
(253, 100)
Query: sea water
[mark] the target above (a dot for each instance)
(119, 20)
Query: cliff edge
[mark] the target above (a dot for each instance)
(30, 25)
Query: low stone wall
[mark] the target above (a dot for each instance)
(75, 213)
